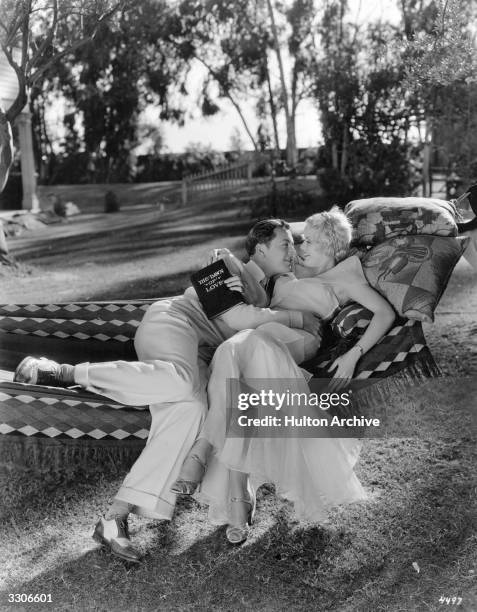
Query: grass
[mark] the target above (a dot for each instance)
(420, 512)
(412, 542)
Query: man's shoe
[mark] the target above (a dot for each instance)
(41, 371)
(114, 535)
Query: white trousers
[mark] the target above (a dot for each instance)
(171, 377)
(174, 343)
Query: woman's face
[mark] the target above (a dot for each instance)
(311, 255)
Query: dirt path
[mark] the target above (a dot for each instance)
(140, 253)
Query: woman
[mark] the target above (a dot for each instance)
(314, 473)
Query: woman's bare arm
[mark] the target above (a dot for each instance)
(383, 318)
(383, 312)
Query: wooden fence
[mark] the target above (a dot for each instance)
(216, 180)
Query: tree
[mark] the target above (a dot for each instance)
(443, 53)
(32, 26)
(365, 113)
(298, 38)
(440, 58)
(228, 42)
(106, 84)
(6, 149)
(238, 42)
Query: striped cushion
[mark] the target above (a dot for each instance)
(351, 321)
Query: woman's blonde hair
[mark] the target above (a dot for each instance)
(332, 232)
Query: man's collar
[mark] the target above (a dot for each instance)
(255, 270)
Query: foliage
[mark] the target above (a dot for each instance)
(228, 41)
(380, 170)
(446, 53)
(365, 112)
(289, 199)
(237, 44)
(107, 83)
(30, 31)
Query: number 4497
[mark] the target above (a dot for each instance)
(450, 601)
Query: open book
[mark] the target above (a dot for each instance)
(215, 297)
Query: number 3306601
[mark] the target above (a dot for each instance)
(29, 597)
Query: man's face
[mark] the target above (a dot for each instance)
(278, 255)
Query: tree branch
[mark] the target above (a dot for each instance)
(229, 96)
(40, 71)
(48, 39)
(21, 99)
(71, 48)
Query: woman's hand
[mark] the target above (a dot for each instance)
(344, 367)
(233, 263)
(234, 283)
(214, 255)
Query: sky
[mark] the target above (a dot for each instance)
(216, 131)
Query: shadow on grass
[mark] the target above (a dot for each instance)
(361, 560)
(151, 287)
(126, 245)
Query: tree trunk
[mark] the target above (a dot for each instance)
(273, 110)
(426, 162)
(344, 152)
(292, 156)
(244, 122)
(334, 155)
(6, 149)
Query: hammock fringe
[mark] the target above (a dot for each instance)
(384, 391)
(47, 456)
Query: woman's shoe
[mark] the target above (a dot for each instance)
(238, 534)
(184, 486)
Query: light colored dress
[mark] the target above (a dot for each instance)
(314, 473)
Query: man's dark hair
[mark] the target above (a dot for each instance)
(263, 233)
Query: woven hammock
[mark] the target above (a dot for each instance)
(45, 426)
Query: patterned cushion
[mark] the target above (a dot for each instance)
(376, 219)
(351, 321)
(411, 272)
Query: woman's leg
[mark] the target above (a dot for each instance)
(242, 508)
(315, 473)
(193, 468)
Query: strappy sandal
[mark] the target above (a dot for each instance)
(184, 486)
(238, 534)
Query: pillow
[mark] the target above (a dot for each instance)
(376, 219)
(411, 272)
(351, 321)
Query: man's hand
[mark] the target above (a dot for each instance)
(312, 324)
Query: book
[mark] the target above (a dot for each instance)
(215, 297)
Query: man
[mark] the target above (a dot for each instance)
(174, 342)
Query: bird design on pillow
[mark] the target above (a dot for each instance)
(393, 257)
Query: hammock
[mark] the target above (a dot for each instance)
(46, 426)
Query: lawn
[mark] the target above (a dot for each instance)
(411, 544)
